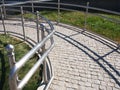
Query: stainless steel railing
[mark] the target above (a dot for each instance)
(53, 6)
(59, 7)
(42, 26)
(68, 7)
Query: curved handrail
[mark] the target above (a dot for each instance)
(25, 2)
(50, 32)
(65, 4)
(35, 49)
(74, 6)
(62, 4)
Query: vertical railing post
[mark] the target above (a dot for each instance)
(4, 10)
(44, 62)
(32, 6)
(86, 13)
(22, 19)
(11, 57)
(3, 23)
(58, 18)
(37, 23)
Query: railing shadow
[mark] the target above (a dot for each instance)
(90, 35)
(3, 71)
(78, 45)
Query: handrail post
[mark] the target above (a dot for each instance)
(32, 6)
(37, 23)
(3, 23)
(58, 18)
(11, 57)
(86, 13)
(22, 19)
(44, 62)
(4, 10)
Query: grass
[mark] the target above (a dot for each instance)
(94, 23)
(104, 27)
(117, 17)
(20, 50)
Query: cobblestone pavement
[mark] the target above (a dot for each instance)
(84, 61)
(81, 60)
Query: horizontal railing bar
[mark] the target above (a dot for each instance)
(33, 69)
(81, 6)
(27, 6)
(25, 2)
(107, 18)
(25, 58)
(65, 4)
(110, 19)
(50, 31)
(92, 8)
(104, 10)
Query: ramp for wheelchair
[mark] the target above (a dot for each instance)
(37, 32)
(81, 60)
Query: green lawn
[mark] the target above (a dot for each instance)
(20, 50)
(94, 23)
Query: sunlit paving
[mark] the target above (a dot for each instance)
(59, 45)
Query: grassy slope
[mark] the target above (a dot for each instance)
(94, 23)
(20, 50)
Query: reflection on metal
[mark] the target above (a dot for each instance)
(4, 10)
(46, 35)
(2, 16)
(22, 19)
(86, 13)
(39, 45)
(32, 6)
(58, 12)
(37, 23)
(11, 58)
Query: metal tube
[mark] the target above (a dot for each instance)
(42, 37)
(32, 6)
(50, 81)
(43, 51)
(22, 19)
(34, 68)
(3, 23)
(58, 21)
(86, 13)
(4, 10)
(37, 23)
(24, 59)
(11, 57)
(73, 5)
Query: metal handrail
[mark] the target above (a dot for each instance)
(65, 4)
(24, 59)
(41, 45)
(23, 2)
(62, 4)
(50, 31)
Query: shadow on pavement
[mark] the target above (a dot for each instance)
(78, 45)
